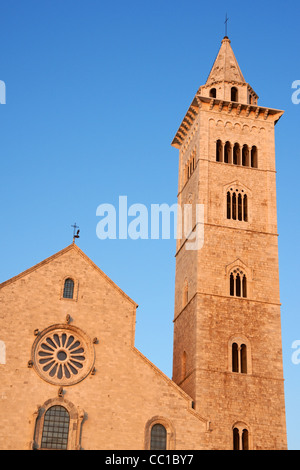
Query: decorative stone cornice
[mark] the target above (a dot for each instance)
(220, 106)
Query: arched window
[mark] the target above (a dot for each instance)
(238, 283)
(245, 155)
(227, 152)
(228, 205)
(240, 437)
(234, 206)
(239, 357)
(254, 157)
(57, 425)
(245, 208)
(236, 154)
(213, 93)
(158, 437)
(219, 151)
(243, 352)
(234, 94)
(244, 286)
(237, 204)
(235, 357)
(56, 428)
(68, 289)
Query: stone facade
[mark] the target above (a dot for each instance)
(237, 186)
(122, 395)
(67, 331)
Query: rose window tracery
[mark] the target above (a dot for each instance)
(63, 355)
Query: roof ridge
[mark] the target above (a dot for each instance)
(58, 254)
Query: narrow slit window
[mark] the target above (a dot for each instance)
(254, 157)
(236, 154)
(244, 286)
(235, 359)
(228, 205)
(219, 151)
(245, 439)
(245, 155)
(236, 439)
(243, 359)
(231, 284)
(240, 207)
(227, 153)
(238, 285)
(245, 203)
(234, 206)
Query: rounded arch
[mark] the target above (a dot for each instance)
(241, 435)
(68, 289)
(169, 428)
(234, 94)
(213, 93)
(237, 199)
(69, 416)
(239, 354)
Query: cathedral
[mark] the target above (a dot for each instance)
(71, 377)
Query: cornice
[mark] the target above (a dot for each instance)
(218, 106)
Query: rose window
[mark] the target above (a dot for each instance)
(63, 355)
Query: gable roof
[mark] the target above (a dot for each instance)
(77, 250)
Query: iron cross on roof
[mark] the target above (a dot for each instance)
(75, 233)
(226, 21)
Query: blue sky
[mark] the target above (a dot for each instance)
(95, 93)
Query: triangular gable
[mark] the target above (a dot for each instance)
(61, 253)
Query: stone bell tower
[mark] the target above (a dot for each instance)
(227, 324)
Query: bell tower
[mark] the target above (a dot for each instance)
(227, 324)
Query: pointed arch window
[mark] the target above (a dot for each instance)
(237, 204)
(68, 289)
(238, 283)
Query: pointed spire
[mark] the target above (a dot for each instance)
(226, 67)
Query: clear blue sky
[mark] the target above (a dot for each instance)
(95, 93)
